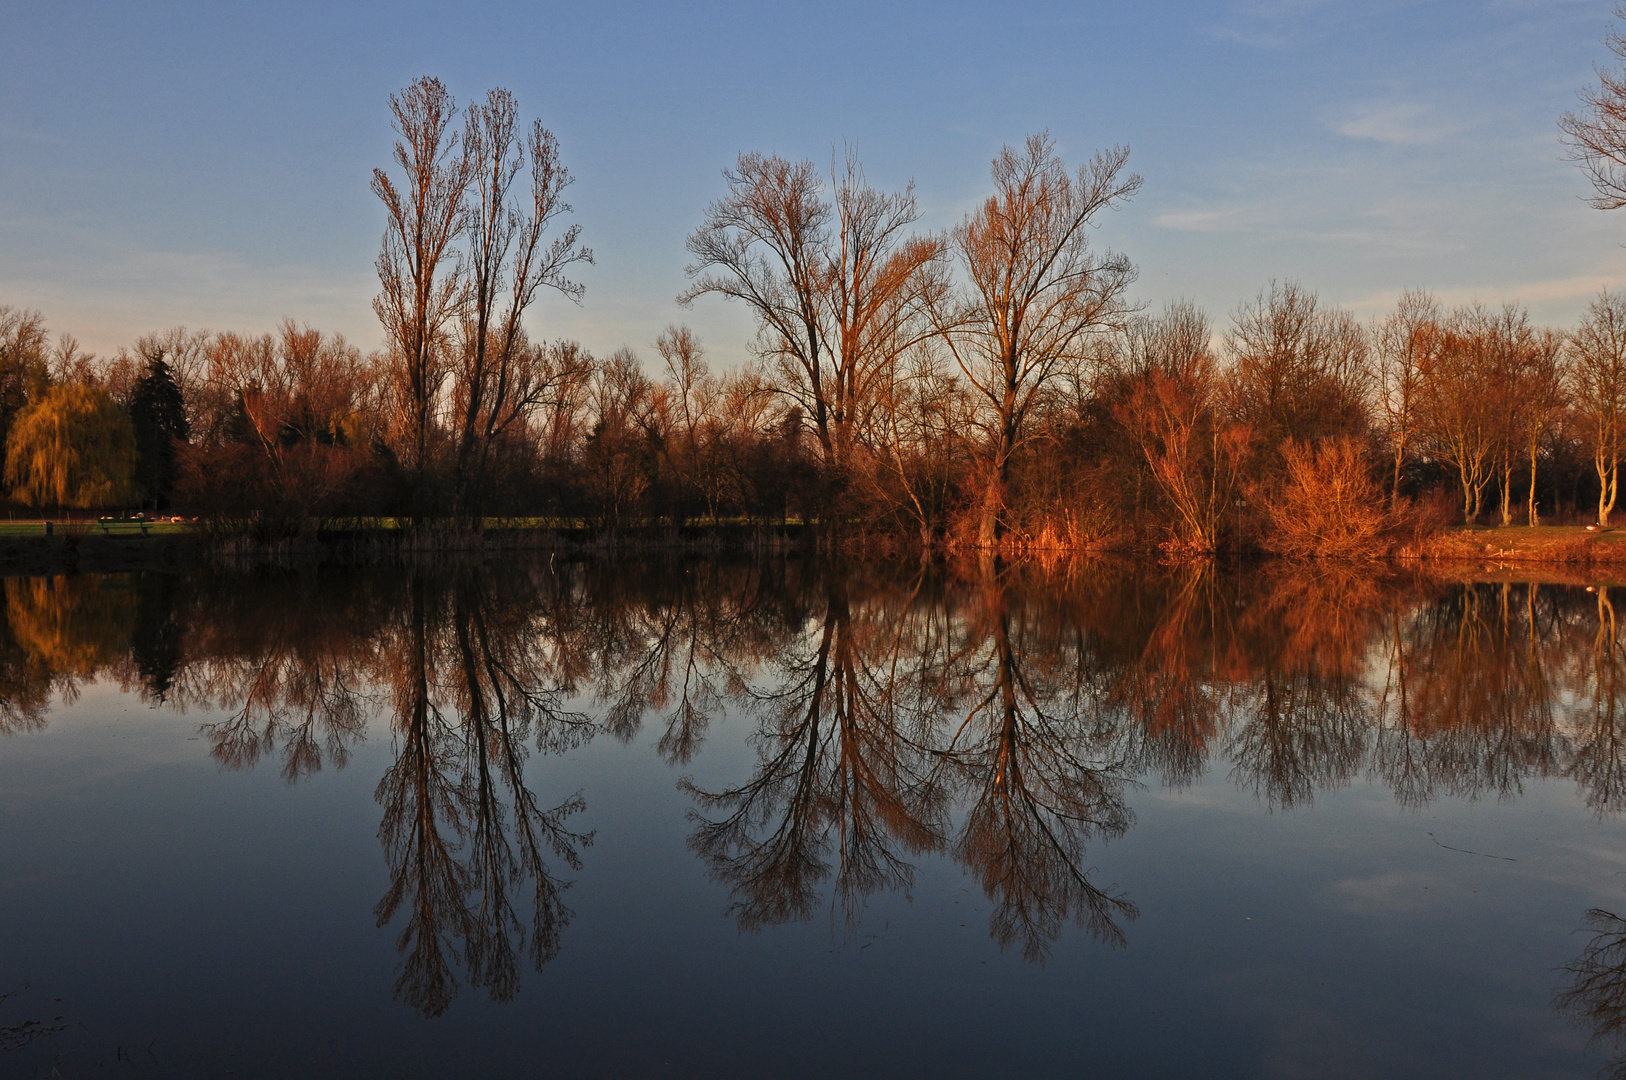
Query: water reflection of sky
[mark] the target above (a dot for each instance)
(780, 821)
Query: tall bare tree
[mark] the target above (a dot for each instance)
(697, 421)
(1039, 296)
(1171, 410)
(500, 377)
(1297, 370)
(24, 362)
(418, 267)
(831, 281)
(878, 280)
(763, 244)
(1542, 390)
(917, 433)
(1511, 344)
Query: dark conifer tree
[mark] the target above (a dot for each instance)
(158, 413)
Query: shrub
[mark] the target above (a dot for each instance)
(1328, 505)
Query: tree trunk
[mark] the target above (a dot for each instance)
(1534, 520)
(1507, 492)
(1600, 465)
(989, 526)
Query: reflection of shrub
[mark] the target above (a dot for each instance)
(1328, 505)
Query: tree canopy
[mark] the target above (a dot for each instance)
(73, 446)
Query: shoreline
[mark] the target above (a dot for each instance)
(1489, 549)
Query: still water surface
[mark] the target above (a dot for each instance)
(781, 819)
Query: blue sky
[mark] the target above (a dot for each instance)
(208, 164)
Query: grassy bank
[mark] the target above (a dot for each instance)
(1550, 545)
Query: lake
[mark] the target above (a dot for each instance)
(785, 818)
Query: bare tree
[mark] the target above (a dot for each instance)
(1598, 381)
(1510, 342)
(418, 268)
(1297, 370)
(24, 362)
(696, 397)
(831, 282)
(1597, 135)
(1174, 344)
(501, 378)
(1459, 417)
(1541, 389)
(1193, 455)
(917, 434)
(69, 364)
(1403, 341)
(1164, 391)
(615, 457)
(1039, 296)
(877, 283)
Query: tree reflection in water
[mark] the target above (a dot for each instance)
(1000, 716)
(842, 785)
(900, 705)
(461, 827)
(1042, 778)
(1597, 759)
(1595, 997)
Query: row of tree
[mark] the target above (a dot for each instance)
(992, 385)
(1303, 429)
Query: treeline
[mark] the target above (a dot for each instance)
(1303, 431)
(991, 386)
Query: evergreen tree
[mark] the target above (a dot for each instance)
(159, 415)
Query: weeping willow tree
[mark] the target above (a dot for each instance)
(73, 446)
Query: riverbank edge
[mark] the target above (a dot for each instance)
(1480, 548)
(90, 552)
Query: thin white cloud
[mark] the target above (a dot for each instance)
(30, 135)
(1279, 9)
(1267, 24)
(1558, 292)
(1393, 124)
(1301, 224)
(1203, 220)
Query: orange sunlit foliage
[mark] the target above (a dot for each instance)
(74, 446)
